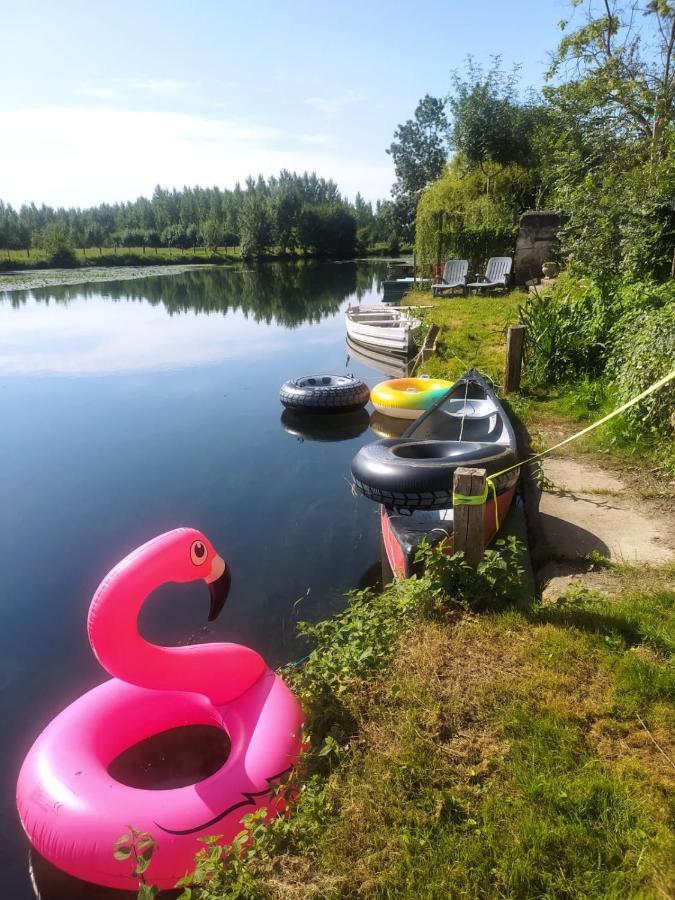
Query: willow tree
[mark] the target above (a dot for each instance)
(458, 217)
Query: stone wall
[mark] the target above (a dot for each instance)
(536, 244)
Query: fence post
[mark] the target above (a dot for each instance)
(515, 340)
(469, 518)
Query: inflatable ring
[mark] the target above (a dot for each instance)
(409, 474)
(324, 393)
(73, 809)
(408, 398)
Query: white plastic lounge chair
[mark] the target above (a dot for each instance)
(496, 276)
(454, 276)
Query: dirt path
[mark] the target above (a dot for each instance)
(591, 508)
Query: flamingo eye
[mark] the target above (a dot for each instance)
(198, 553)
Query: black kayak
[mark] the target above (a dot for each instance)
(412, 476)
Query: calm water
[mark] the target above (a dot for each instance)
(130, 408)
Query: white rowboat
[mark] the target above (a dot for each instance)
(388, 327)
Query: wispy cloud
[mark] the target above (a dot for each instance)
(155, 85)
(128, 86)
(100, 93)
(330, 106)
(90, 154)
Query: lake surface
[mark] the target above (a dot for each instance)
(130, 408)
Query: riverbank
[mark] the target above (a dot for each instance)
(478, 744)
(477, 740)
(32, 279)
(14, 261)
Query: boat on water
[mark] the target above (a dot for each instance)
(412, 476)
(388, 327)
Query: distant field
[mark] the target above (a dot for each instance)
(92, 255)
(109, 256)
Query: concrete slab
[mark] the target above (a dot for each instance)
(573, 475)
(590, 509)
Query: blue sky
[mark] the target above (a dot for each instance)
(100, 102)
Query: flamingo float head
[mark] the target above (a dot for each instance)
(188, 556)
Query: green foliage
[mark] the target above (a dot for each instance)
(613, 342)
(643, 352)
(610, 151)
(350, 651)
(496, 580)
(457, 217)
(255, 226)
(137, 847)
(419, 151)
(263, 215)
(489, 123)
(57, 244)
(478, 767)
(567, 331)
(212, 233)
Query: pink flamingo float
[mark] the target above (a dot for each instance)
(73, 810)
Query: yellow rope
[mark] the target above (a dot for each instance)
(490, 480)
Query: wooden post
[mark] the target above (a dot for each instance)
(515, 340)
(469, 520)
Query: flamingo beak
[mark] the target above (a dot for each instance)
(219, 581)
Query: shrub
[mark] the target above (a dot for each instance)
(567, 331)
(643, 352)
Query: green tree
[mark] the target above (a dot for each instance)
(255, 227)
(212, 233)
(57, 243)
(491, 127)
(611, 88)
(419, 151)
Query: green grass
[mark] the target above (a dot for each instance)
(504, 754)
(584, 401)
(473, 332)
(109, 256)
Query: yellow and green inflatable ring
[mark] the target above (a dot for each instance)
(408, 398)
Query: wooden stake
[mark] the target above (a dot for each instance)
(469, 519)
(515, 339)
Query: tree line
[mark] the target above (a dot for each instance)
(597, 143)
(288, 213)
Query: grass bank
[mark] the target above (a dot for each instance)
(109, 256)
(138, 256)
(465, 744)
(473, 333)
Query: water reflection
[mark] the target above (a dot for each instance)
(173, 419)
(288, 294)
(394, 365)
(388, 426)
(56, 334)
(327, 426)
